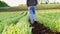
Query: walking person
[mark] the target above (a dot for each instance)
(32, 9)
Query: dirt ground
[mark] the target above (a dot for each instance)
(41, 29)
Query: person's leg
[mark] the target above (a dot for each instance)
(34, 12)
(31, 14)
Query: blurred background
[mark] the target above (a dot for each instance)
(21, 4)
(14, 16)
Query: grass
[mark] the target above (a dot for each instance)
(42, 6)
(50, 18)
(48, 5)
(8, 18)
(22, 27)
(17, 22)
(39, 6)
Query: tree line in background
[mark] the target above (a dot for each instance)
(49, 1)
(3, 4)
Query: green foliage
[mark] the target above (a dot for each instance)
(8, 18)
(48, 6)
(3, 4)
(14, 23)
(22, 27)
(50, 18)
(41, 6)
(17, 22)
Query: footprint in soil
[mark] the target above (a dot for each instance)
(40, 29)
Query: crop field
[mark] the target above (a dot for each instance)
(50, 18)
(18, 22)
(14, 23)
